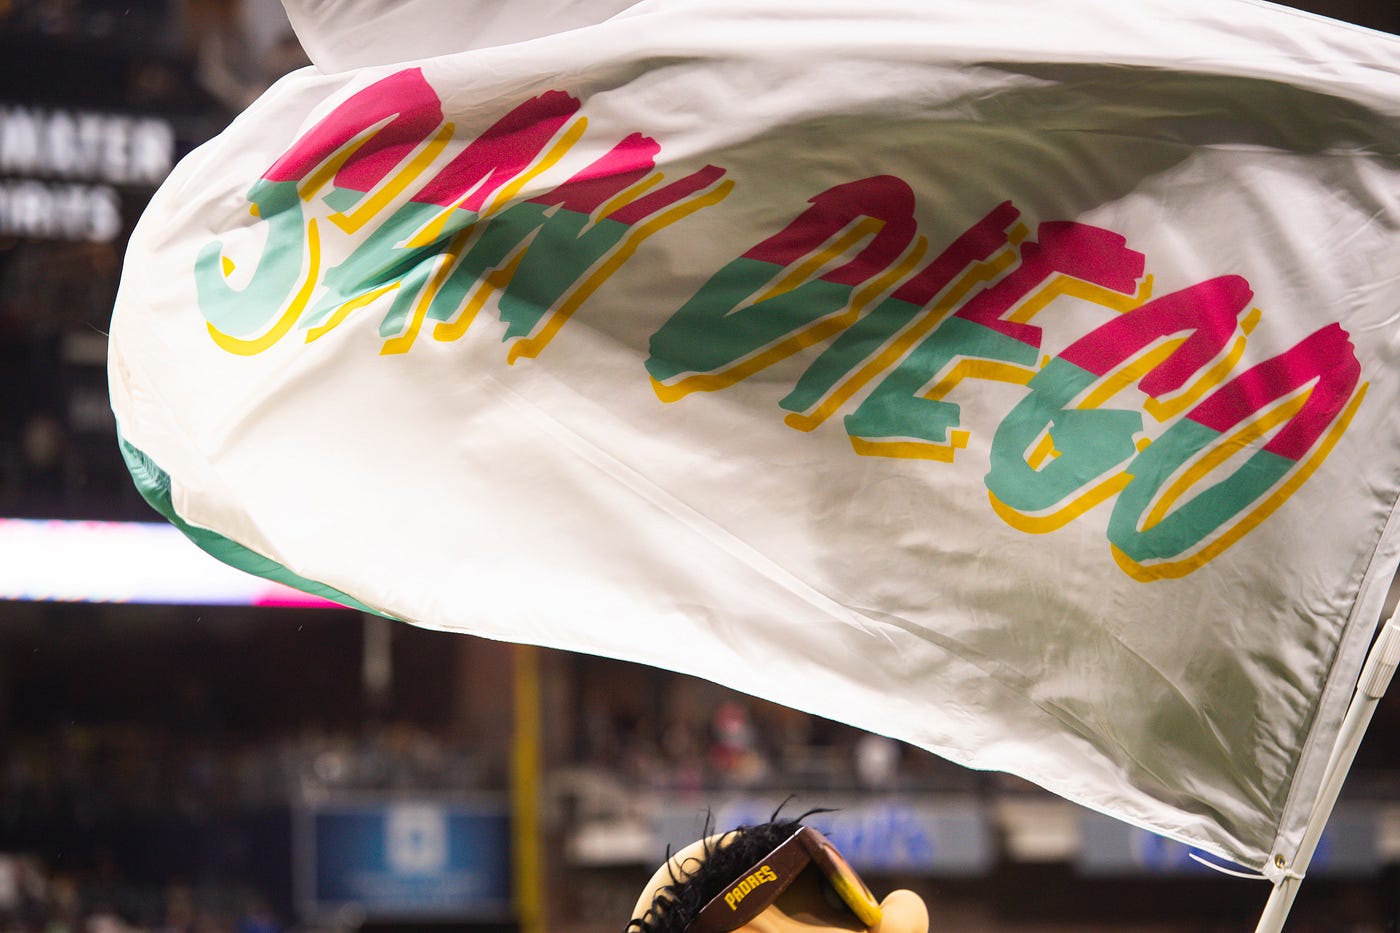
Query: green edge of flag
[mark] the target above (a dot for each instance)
(154, 485)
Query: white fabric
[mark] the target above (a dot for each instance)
(560, 498)
(340, 35)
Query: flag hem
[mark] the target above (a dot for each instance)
(154, 485)
(1337, 692)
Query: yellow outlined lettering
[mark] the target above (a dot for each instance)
(393, 185)
(581, 291)
(1176, 569)
(256, 345)
(825, 257)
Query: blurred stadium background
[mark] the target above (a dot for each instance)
(209, 758)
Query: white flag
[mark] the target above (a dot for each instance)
(1016, 379)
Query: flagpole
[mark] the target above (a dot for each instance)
(1375, 678)
(526, 761)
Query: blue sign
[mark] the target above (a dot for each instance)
(900, 836)
(1109, 848)
(393, 857)
(914, 835)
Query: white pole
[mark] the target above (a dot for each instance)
(1375, 678)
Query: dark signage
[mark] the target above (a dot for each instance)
(394, 857)
(60, 169)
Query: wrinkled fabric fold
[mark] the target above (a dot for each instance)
(1012, 379)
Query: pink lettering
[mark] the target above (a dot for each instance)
(1077, 250)
(626, 164)
(503, 151)
(1208, 310)
(1326, 355)
(405, 97)
(976, 244)
(882, 197)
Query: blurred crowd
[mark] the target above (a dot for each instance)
(90, 774)
(238, 47)
(743, 743)
(86, 775)
(120, 811)
(37, 899)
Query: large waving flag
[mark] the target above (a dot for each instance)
(1014, 378)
